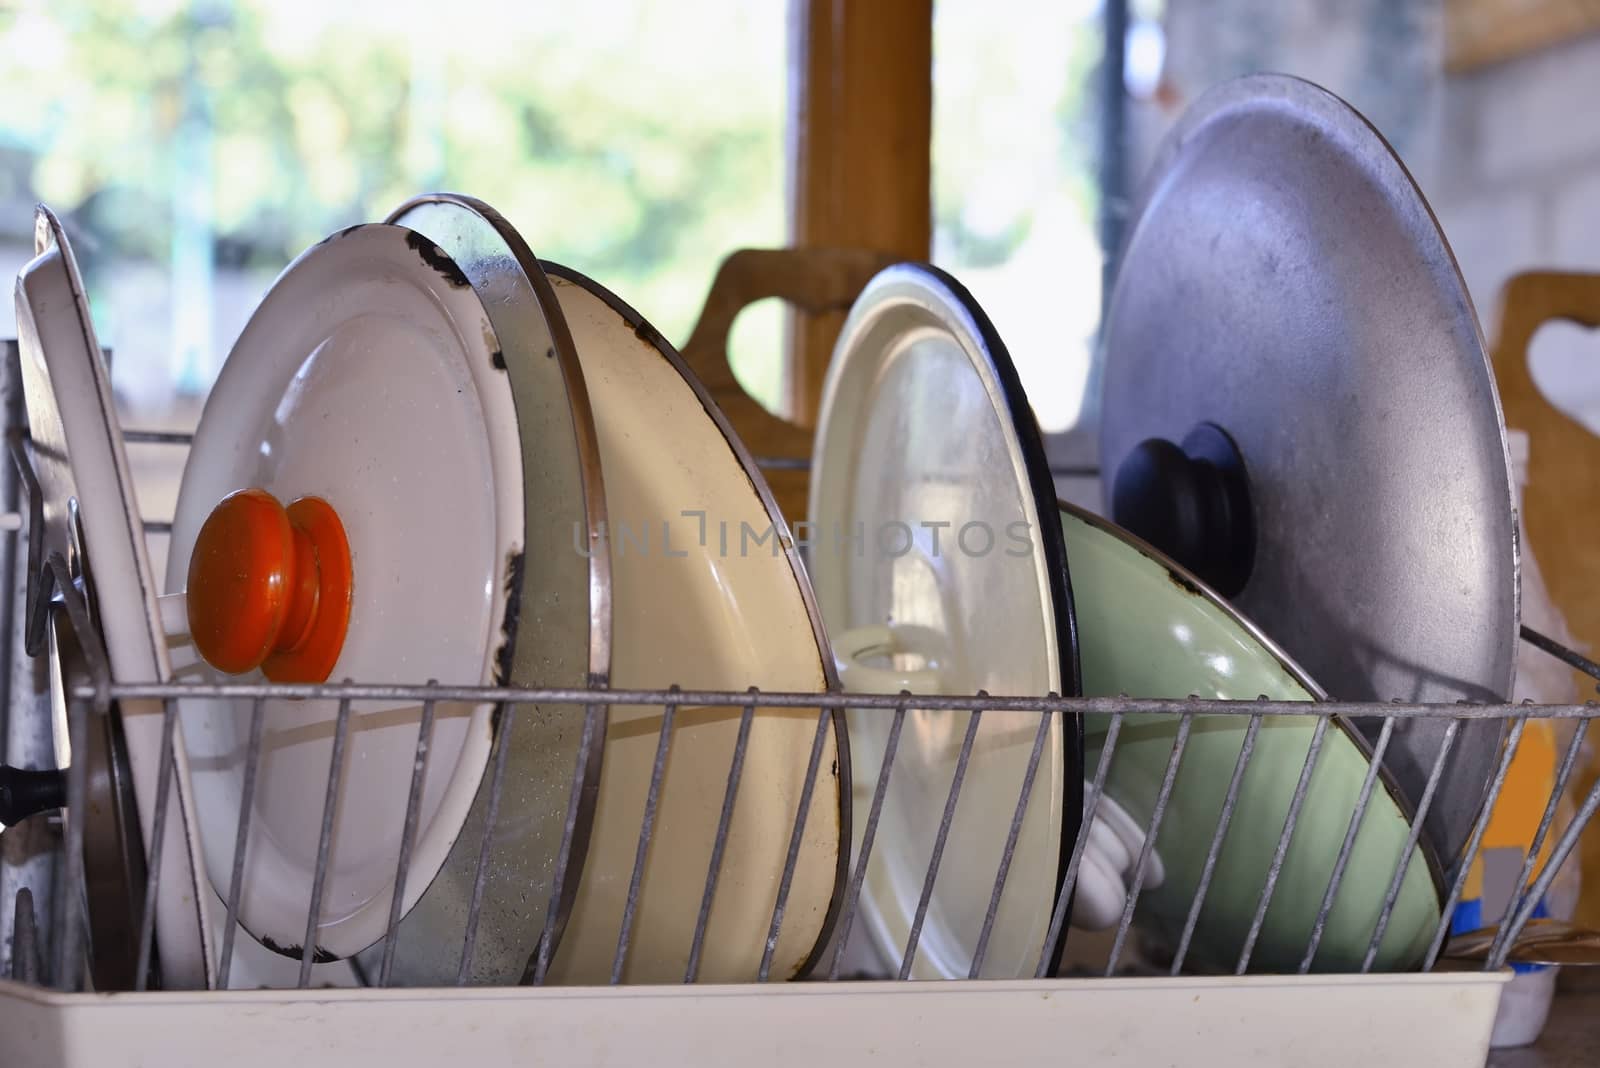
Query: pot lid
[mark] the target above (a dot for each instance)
(369, 378)
(89, 524)
(1298, 407)
(940, 567)
(563, 629)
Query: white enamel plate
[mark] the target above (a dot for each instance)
(370, 377)
(82, 468)
(940, 568)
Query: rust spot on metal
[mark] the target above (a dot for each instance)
(346, 232)
(515, 569)
(435, 257)
(1183, 582)
(318, 955)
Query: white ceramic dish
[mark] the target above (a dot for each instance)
(368, 377)
(694, 606)
(82, 469)
(925, 431)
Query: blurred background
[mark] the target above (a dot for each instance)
(195, 147)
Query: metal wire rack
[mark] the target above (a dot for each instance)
(47, 925)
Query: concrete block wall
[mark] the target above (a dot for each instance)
(1508, 155)
(1516, 186)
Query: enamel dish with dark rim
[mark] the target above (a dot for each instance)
(940, 568)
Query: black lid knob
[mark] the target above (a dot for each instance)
(25, 792)
(1191, 502)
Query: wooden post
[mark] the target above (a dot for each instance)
(862, 129)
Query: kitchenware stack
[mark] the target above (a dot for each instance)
(431, 456)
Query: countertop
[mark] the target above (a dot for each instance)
(1571, 1037)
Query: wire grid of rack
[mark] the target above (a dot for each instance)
(559, 1021)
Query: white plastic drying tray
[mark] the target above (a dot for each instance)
(1441, 1020)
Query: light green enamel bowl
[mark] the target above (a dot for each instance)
(1147, 628)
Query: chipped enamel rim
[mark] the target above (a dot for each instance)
(245, 399)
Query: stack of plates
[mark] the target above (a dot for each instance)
(531, 489)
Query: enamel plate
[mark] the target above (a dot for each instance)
(1148, 628)
(563, 630)
(82, 469)
(370, 376)
(940, 567)
(1298, 408)
(707, 593)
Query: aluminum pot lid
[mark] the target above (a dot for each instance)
(88, 532)
(369, 377)
(563, 633)
(1298, 407)
(940, 567)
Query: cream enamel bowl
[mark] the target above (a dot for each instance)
(696, 603)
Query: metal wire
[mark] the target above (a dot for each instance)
(1547, 874)
(247, 793)
(1179, 743)
(1464, 865)
(1336, 877)
(647, 824)
(939, 841)
(1282, 850)
(497, 784)
(408, 842)
(1403, 865)
(1069, 879)
(1023, 797)
(943, 842)
(147, 925)
(852, 895)
(592, 736)
(1568, 761)
(1224, 819)
(1085, 706)
(719, 843)
(319, 879)
(818, 742)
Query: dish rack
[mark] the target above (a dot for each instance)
(1441, 1015)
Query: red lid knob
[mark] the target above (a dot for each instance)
(269, 587)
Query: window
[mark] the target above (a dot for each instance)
(196, 146)
(1015, 185)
